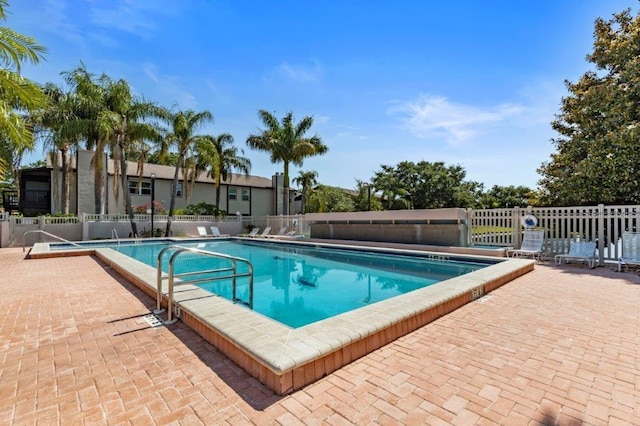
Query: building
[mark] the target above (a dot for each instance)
(41, 190)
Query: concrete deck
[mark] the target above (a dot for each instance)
(558, 345)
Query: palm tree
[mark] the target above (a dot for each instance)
(183, 126)
(286, 143)
(91, 100)
(220, 158)
(17, 94)
(49, 125)
(122, 121)
(306, 180)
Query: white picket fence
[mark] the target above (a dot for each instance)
(603, 224)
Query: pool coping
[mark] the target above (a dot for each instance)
(286, 359)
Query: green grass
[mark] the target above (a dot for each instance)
(490, 229)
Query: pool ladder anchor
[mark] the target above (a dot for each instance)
(174, 312)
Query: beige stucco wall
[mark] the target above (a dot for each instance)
(262, 202)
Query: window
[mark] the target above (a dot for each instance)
(144, 187)
(233, 193)
(245, 194)
(179, 191)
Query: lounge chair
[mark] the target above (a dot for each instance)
(253, 233)
(216, 232)
(202, 231)
(630, 250)
(264, 233)
(532, 243)
(579, 250)
(280, 233)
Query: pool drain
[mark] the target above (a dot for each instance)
(153, 320)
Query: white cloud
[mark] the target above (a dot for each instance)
(300, 72)
(435, 116)
(54, 13)
(320, 119)
(134, 16)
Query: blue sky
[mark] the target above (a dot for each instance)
(462, 82)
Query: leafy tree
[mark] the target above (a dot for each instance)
(421, 185)
(469, 194)
(325, 199)
(597, 158)
(286, 142)
(220, 158)
(506, 196)
(306, 180)
(182, 135)
(366, 198)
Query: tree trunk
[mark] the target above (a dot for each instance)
(125, 187)
(285, 190)
(98, 184)
(174, 192)
(65, 181)
(218, 197)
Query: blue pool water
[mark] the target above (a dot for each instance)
(300, 285)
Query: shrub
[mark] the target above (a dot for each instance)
(158, 208)
(204, 209)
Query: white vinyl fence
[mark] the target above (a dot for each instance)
(112, 226)
(603, 224)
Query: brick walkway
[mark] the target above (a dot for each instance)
(560, 345)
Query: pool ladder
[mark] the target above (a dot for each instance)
(171, 277)
(114, 235)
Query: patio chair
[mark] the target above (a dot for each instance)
(202, 231)
(580, 250)
(264, 233)
(280, 233)
(251, 234)
(630, 250)
(532, 243)
(216, 232)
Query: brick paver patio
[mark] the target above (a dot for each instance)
(560, 345)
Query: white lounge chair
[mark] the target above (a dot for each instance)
(264, 233)
(532, 243)
(280, 233)
(580, 250)
(202, 231)
(215, 231)
(251, 234)
(630, 250)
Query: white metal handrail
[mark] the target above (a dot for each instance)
(114, 235)
(46, 233)
(171, 276)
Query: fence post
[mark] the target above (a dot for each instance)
(469, 225)
(601, 241)
(515, 221)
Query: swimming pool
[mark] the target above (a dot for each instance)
(301, 285)
(286, 358)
